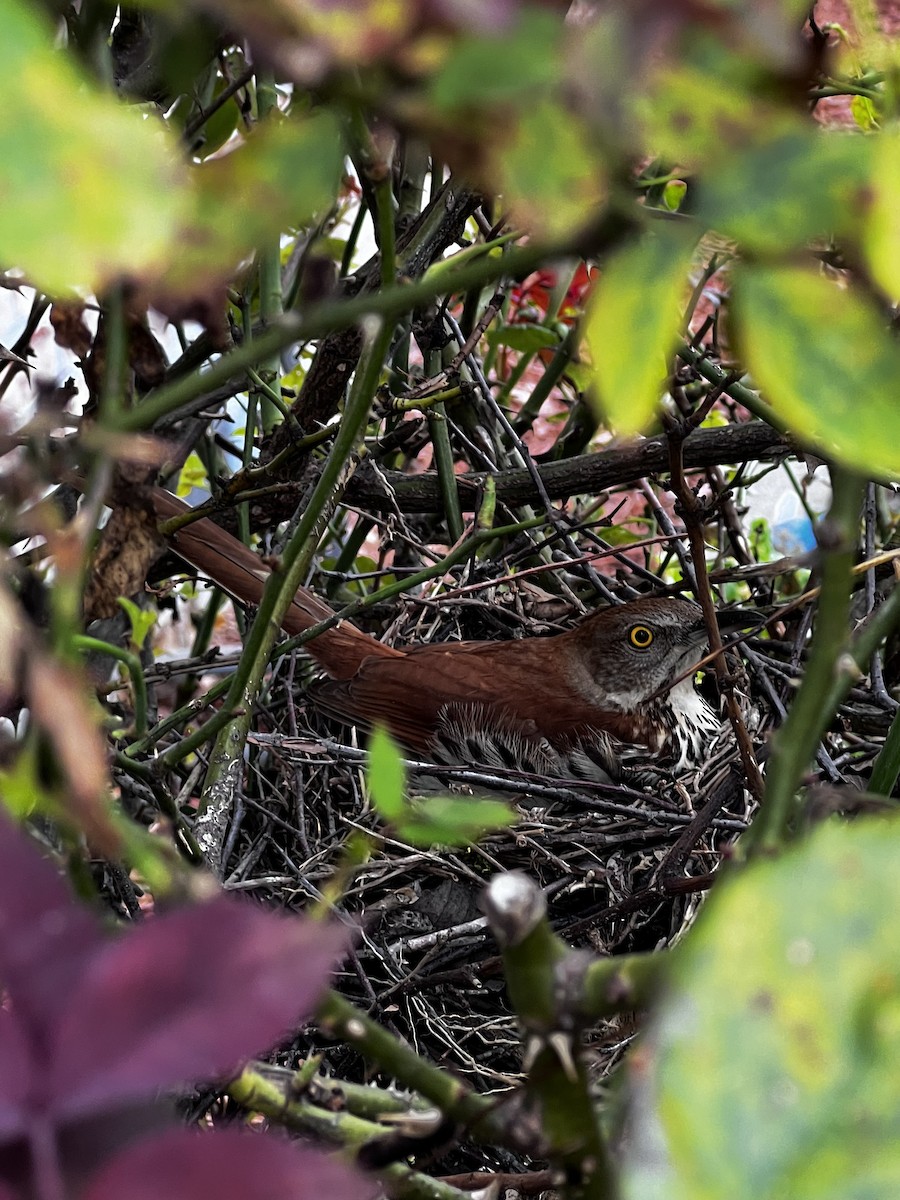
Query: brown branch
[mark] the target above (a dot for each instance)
(418, 247)
(585, 475)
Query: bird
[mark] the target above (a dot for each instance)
(616, 687)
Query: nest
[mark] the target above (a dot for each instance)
(624, 868)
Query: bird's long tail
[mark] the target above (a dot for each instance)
(242, 574)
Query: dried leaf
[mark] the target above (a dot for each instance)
(61, 707)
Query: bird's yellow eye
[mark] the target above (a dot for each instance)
(640, 636)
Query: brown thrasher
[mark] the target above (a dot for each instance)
(561, 705)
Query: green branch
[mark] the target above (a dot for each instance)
(794, 745)
(258, 1092)
(132, 663)
(327, 318)
(352, 1026)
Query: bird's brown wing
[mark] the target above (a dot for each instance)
(515, 692)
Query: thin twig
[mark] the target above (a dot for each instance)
(692, 514)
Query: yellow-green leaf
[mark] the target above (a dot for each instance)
(141, 620)
(89, 188)
(631, 326)
(825, 362)
(788, 188)
(864, 113)
(21, 787)
(548, 170)
(881, 243)
(386, 776)
(192, 475)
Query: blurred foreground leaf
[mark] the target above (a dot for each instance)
(825, 362)
(387, 775)
(286, 171)
(631, 325)
(426, 821)
(882, 238)
(89, 188)
(511, 67)
(787, 189)
(92, 189)
(692, 113)
(453, 820)
(232, 1163)
(548, 171)
(771, 1068)
(186, 995)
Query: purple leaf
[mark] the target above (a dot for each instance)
(84, 1147)
(186, 996)
(17, 1075)
(228, 1165)
(45, 937)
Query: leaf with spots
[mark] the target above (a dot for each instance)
(770, 1069)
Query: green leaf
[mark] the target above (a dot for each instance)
(386, 775)
(89, 188)
(450, 821)
(788, 189)
(631, 326)
(549, 170)
(486, 71)
(771, 1068)
(881, 242)
(526, 338)
(425, 822)
(141, 620)
(824, 361)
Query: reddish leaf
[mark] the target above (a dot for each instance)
(184, 997)
(227, 1166)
